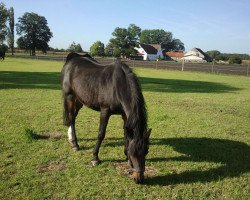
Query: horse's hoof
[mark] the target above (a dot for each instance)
(95, 162)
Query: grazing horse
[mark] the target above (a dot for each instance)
(109, 89)
(2, 55)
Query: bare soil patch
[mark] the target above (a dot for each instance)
(52, 166)
(124, 168)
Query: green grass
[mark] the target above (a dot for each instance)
(199, 143)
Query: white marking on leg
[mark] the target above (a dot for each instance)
(70, 133)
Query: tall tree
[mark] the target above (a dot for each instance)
(10, 37)
(97, 49)
(3, 19)
(124, 40)
(35, 31)
(160, 36)
(75, 48)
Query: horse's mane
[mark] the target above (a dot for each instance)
(137, 120)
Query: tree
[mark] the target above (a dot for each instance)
(21, 43)
(10, 38)
(109, 50)
(175, 45)
(124, 40)
(213, 53)
(75, 48)
(159, 36)
(35, 31)
(134, 33)
(97, 49)
(3, 19)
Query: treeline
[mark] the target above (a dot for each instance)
(125, 40)
(34, 34)
(33, 30)
(227, 57)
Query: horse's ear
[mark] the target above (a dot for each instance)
(148, 133)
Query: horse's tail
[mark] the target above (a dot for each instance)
(136, 113)
(66, 88)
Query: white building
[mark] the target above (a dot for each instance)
(196, 55)
(150, 51)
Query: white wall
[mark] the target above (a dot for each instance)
(192, 58)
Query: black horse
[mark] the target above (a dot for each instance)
(110, 89)
(2, 54)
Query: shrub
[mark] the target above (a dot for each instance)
(235, 60)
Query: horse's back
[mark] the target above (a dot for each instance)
(91, 82)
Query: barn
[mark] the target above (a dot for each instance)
(196, 55)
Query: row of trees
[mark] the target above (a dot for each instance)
(32, 28)
(124, 41)
(35, 34)
(230, 58)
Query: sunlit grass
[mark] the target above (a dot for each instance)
(199, 143)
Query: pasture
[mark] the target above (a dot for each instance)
(199, 146)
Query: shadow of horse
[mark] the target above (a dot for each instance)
(233, 156)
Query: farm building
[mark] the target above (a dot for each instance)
(177, 56)
(150, 51)
(196, 55)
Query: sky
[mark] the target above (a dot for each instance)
(222, 25)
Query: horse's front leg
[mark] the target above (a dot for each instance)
(104, 117)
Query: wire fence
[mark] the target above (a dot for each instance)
(243, 70)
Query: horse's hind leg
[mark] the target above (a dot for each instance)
(104, 117)
(72, 108)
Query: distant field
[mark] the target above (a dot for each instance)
(199, 144)
(246, 62)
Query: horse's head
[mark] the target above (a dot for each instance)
(137, 151)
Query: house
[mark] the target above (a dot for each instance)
(150, 51)
(196, 55)
(176, 56)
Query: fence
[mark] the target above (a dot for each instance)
(243, 70)
(201, 67)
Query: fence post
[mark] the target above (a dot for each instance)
(247, 69)
(213, 67)
(182, 66)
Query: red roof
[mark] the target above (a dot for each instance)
(175, 54)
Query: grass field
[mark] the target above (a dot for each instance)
(199, 144)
